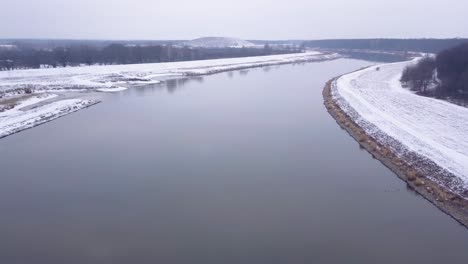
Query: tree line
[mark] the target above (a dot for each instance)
(30, 58)
(444, 75)
(415, 45)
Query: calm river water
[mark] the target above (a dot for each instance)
(239, 167)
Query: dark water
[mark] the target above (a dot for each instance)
(243, 167)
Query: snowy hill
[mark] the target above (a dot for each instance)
(219, 42)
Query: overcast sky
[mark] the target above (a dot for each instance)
(247, 19)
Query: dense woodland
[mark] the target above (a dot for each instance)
(373, 56)
(444, 75)
(415, 45)
(75, 55)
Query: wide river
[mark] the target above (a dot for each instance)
(238, 167)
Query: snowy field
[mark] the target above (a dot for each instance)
(29, 97)
(434, 129)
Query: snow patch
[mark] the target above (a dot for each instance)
(112, 89)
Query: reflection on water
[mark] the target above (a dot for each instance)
(173, 84)
(170, 85)
(226, 170)
(244, 72)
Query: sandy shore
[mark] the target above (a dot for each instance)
(448, 202)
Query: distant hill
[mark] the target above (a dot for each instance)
(417, 45)
(219, 42)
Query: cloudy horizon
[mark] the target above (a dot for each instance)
(245, 19)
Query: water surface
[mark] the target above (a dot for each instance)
(238, 167)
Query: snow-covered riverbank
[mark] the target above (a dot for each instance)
(113, 76)
(38, 87)
(16, 119)
(417, 128)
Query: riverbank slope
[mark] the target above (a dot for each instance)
(382, 117)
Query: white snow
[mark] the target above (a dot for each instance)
(15, 120)
(435, 129)
(112, 90)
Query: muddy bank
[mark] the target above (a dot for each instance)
(450, 203)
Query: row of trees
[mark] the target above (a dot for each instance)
(22, 58)
(452, 70)
(418, 77)
(447, 73)
(416, 45)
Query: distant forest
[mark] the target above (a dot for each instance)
(445, 75)
(31, 57)
(416, 45)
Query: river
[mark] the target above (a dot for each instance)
(237, 167)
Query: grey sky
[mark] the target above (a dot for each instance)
(248, 19)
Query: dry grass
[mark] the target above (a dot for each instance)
(385, 152)
(418, 182)
(412, 175)
(363, 138)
